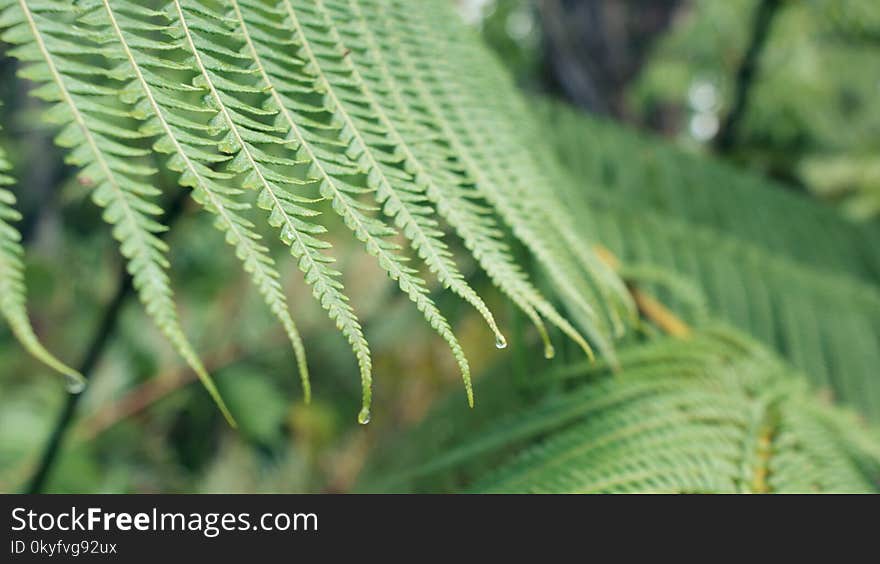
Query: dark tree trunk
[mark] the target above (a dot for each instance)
(595, 48)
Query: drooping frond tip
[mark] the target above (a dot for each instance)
(12, 284)
(290, 105)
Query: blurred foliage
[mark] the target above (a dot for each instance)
(739, 240)
(147, 426)
(712, 243)
(713, 413)
(813, 117)
(513, 29)
(812, 120)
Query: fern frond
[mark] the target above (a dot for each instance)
(816, 303)
(12, 285)
(503, 171)
(405, 199)
(713, 414)
(511, 119)
(747, 429)
(162, 108)
(104, 153)
(377, 166)
(287, 210)
(827, 324)
(294, 107)
(657, 176)
(417, 128)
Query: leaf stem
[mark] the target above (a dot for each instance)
(98, 344)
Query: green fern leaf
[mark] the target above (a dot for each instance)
(504, 172)
(294, 107)
(103, 151)
(416, 127)
(714, 414)
(742, 247)
(12, 286)
(343, 195)
(176, 132)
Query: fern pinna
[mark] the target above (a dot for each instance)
(750, 250)
(716, 413)
(298, 107)
(12, 286)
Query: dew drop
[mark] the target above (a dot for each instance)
(500, 342)
(74, 385)
(549, 351)
(364, 416)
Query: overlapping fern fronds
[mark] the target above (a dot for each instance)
(299, 107)
(783, 268)
(713, 414)
(657, 176)
(388, 119)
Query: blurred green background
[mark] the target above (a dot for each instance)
(811, 121)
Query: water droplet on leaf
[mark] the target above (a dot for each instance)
(500, 342)
(549, 351)
(74, 385)
(364, 416)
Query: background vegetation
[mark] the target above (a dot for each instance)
(743, 201)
